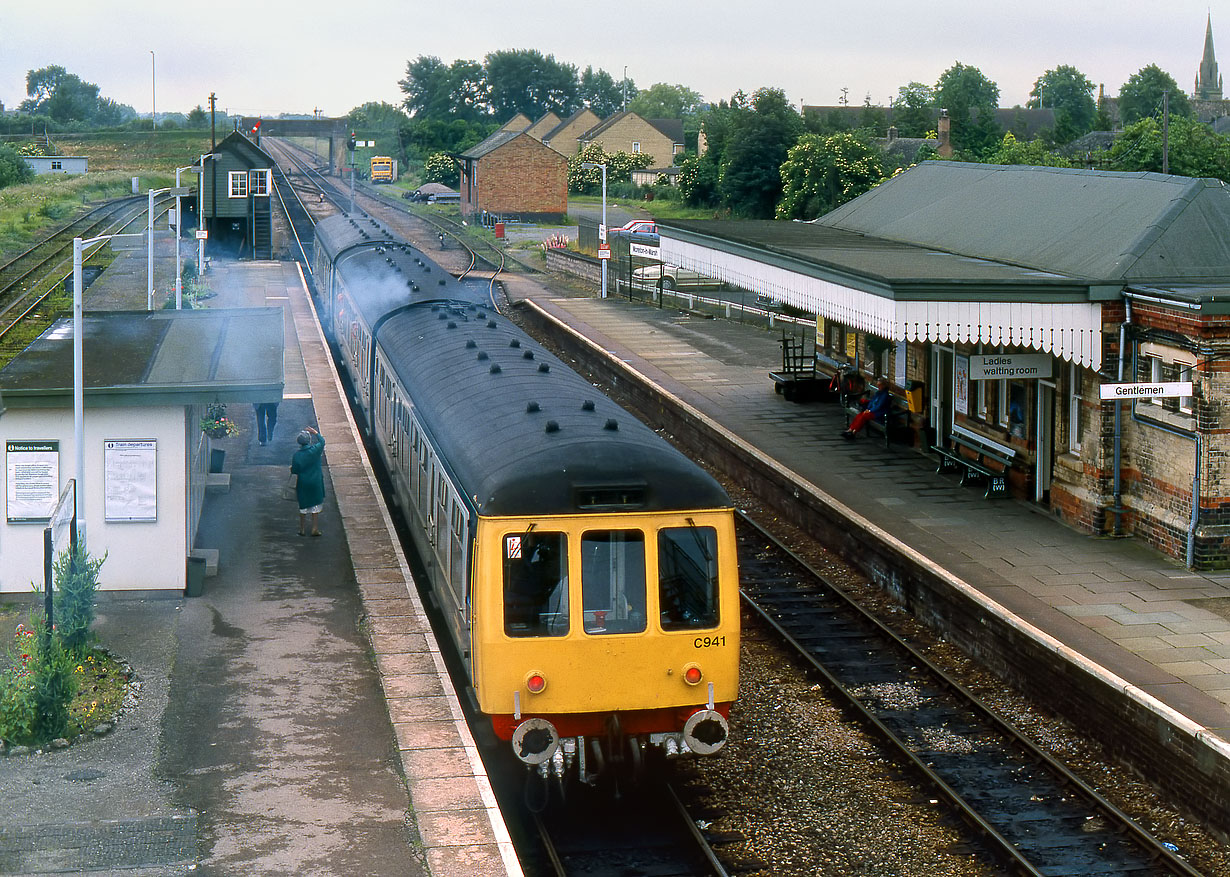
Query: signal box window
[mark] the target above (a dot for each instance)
(238, 183)
(688, 577)
(536, 584)
(613, 581)
(259, 182)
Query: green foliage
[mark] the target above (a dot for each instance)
(375, 114)
(1141, 96)
(36, 687)
(750, 179)
(914, 110)
(822, 173)
(75, 574)
(1069, 93)
(664, 101)
(526, 81)
(698, 181)
(602, 94)
(439, 168)
(1031, 152)
(57, 94)
(619, 168)
(971, 100)
(13, 169)
(423, 136)
(1195, 149)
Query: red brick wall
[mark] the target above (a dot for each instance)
(522, 177)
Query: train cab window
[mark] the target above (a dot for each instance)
(536, 584)
(687, 577)
(613, 581)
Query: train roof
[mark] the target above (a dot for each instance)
(338, 233)
(523, 433)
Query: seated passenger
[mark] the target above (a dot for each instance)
(878, 407)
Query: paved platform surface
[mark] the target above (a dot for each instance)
(1143, 617)
(295, 718)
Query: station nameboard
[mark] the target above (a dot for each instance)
(644, 251)
(1001, 366)
(1146, 391)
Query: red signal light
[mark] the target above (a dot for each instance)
(535, 682)
(692, 674)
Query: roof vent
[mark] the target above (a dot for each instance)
(414, 286)
(611, 424)
(426, 269)
(529, 354)
(532, 408)
(495, 368)
(482, 355)
(514, 343)
(452, 325)
(435, 309)
(491, 324)
(441, 281)
(543, 368)
(552, 426)
(587, 405)
(442, 317)
(471, 344)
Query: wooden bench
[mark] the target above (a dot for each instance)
(898, 415)
(991, 460)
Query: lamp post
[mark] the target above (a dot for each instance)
(153, 91)
(200, 212)
(79, 376)
(590, 165)
(179, 224)
(149, 256)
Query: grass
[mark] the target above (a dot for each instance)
(102, 682)
(660, 208)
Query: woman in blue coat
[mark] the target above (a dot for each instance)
(310, 486)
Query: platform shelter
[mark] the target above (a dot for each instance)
(149, 377)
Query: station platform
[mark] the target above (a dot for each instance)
(296, 717)
(1128, 612)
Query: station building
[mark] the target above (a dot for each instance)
(149, 377)
(1013, 296)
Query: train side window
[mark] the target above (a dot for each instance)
(613, 581)
(535, 584)
(687, 577)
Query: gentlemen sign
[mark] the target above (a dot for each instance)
(1146, 391)
(998, 366)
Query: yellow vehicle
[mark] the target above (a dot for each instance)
(382, 169)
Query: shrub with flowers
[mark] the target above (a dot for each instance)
(216, 424)
(36, 687)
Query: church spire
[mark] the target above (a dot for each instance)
(1208, 82)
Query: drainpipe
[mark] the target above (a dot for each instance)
(1117, 507)
(1194, 435)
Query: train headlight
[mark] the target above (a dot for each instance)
(536, 683)
(692, 674)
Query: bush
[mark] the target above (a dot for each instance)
(35, 690)
(75, 574)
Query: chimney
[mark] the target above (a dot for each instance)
(943, 130)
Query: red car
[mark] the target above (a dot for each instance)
(639, 226)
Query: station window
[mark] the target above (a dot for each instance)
(687, 577)
(57, 165)
(1074, 408)
(258, 181)
(613, 581)
(1160, 363)
(536, 584)
(238, 184)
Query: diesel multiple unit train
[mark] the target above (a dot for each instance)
(585, 569)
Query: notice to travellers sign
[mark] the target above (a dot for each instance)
(1146, 391)
(1018, 366)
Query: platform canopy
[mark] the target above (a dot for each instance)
(993, 254)
(167, 357)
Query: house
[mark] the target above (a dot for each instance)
(649, 176)
(1073, 320)
(236, 186)
(563, 137)
(57, 164)
(517, 123)
(628, 132)
(544, 125)
(511, 173)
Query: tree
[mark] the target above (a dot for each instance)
(619, 167)
(197, 117)
(822, 173)
(1069, 93)
(1032, 152)
(664, 101)
(60, 95)
(750, 179)
(1141, 96)
(602, 94)
(971, 100)
(13, 169)
(914, 110)
(440, 168)
(375, 114)
(526, 81)
(1195, 149)
(433, 90)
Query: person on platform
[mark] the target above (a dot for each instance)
(877, 407)
(266, 420)
(310, 486)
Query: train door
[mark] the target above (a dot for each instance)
(942, 398)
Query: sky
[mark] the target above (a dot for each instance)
(274, 56)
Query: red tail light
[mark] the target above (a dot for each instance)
(535, 682)
(692, 674)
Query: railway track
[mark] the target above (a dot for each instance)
(1032, 814)
(23, 279)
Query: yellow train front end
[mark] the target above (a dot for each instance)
(599, 636)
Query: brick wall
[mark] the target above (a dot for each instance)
(522, 177)
(633, 129)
